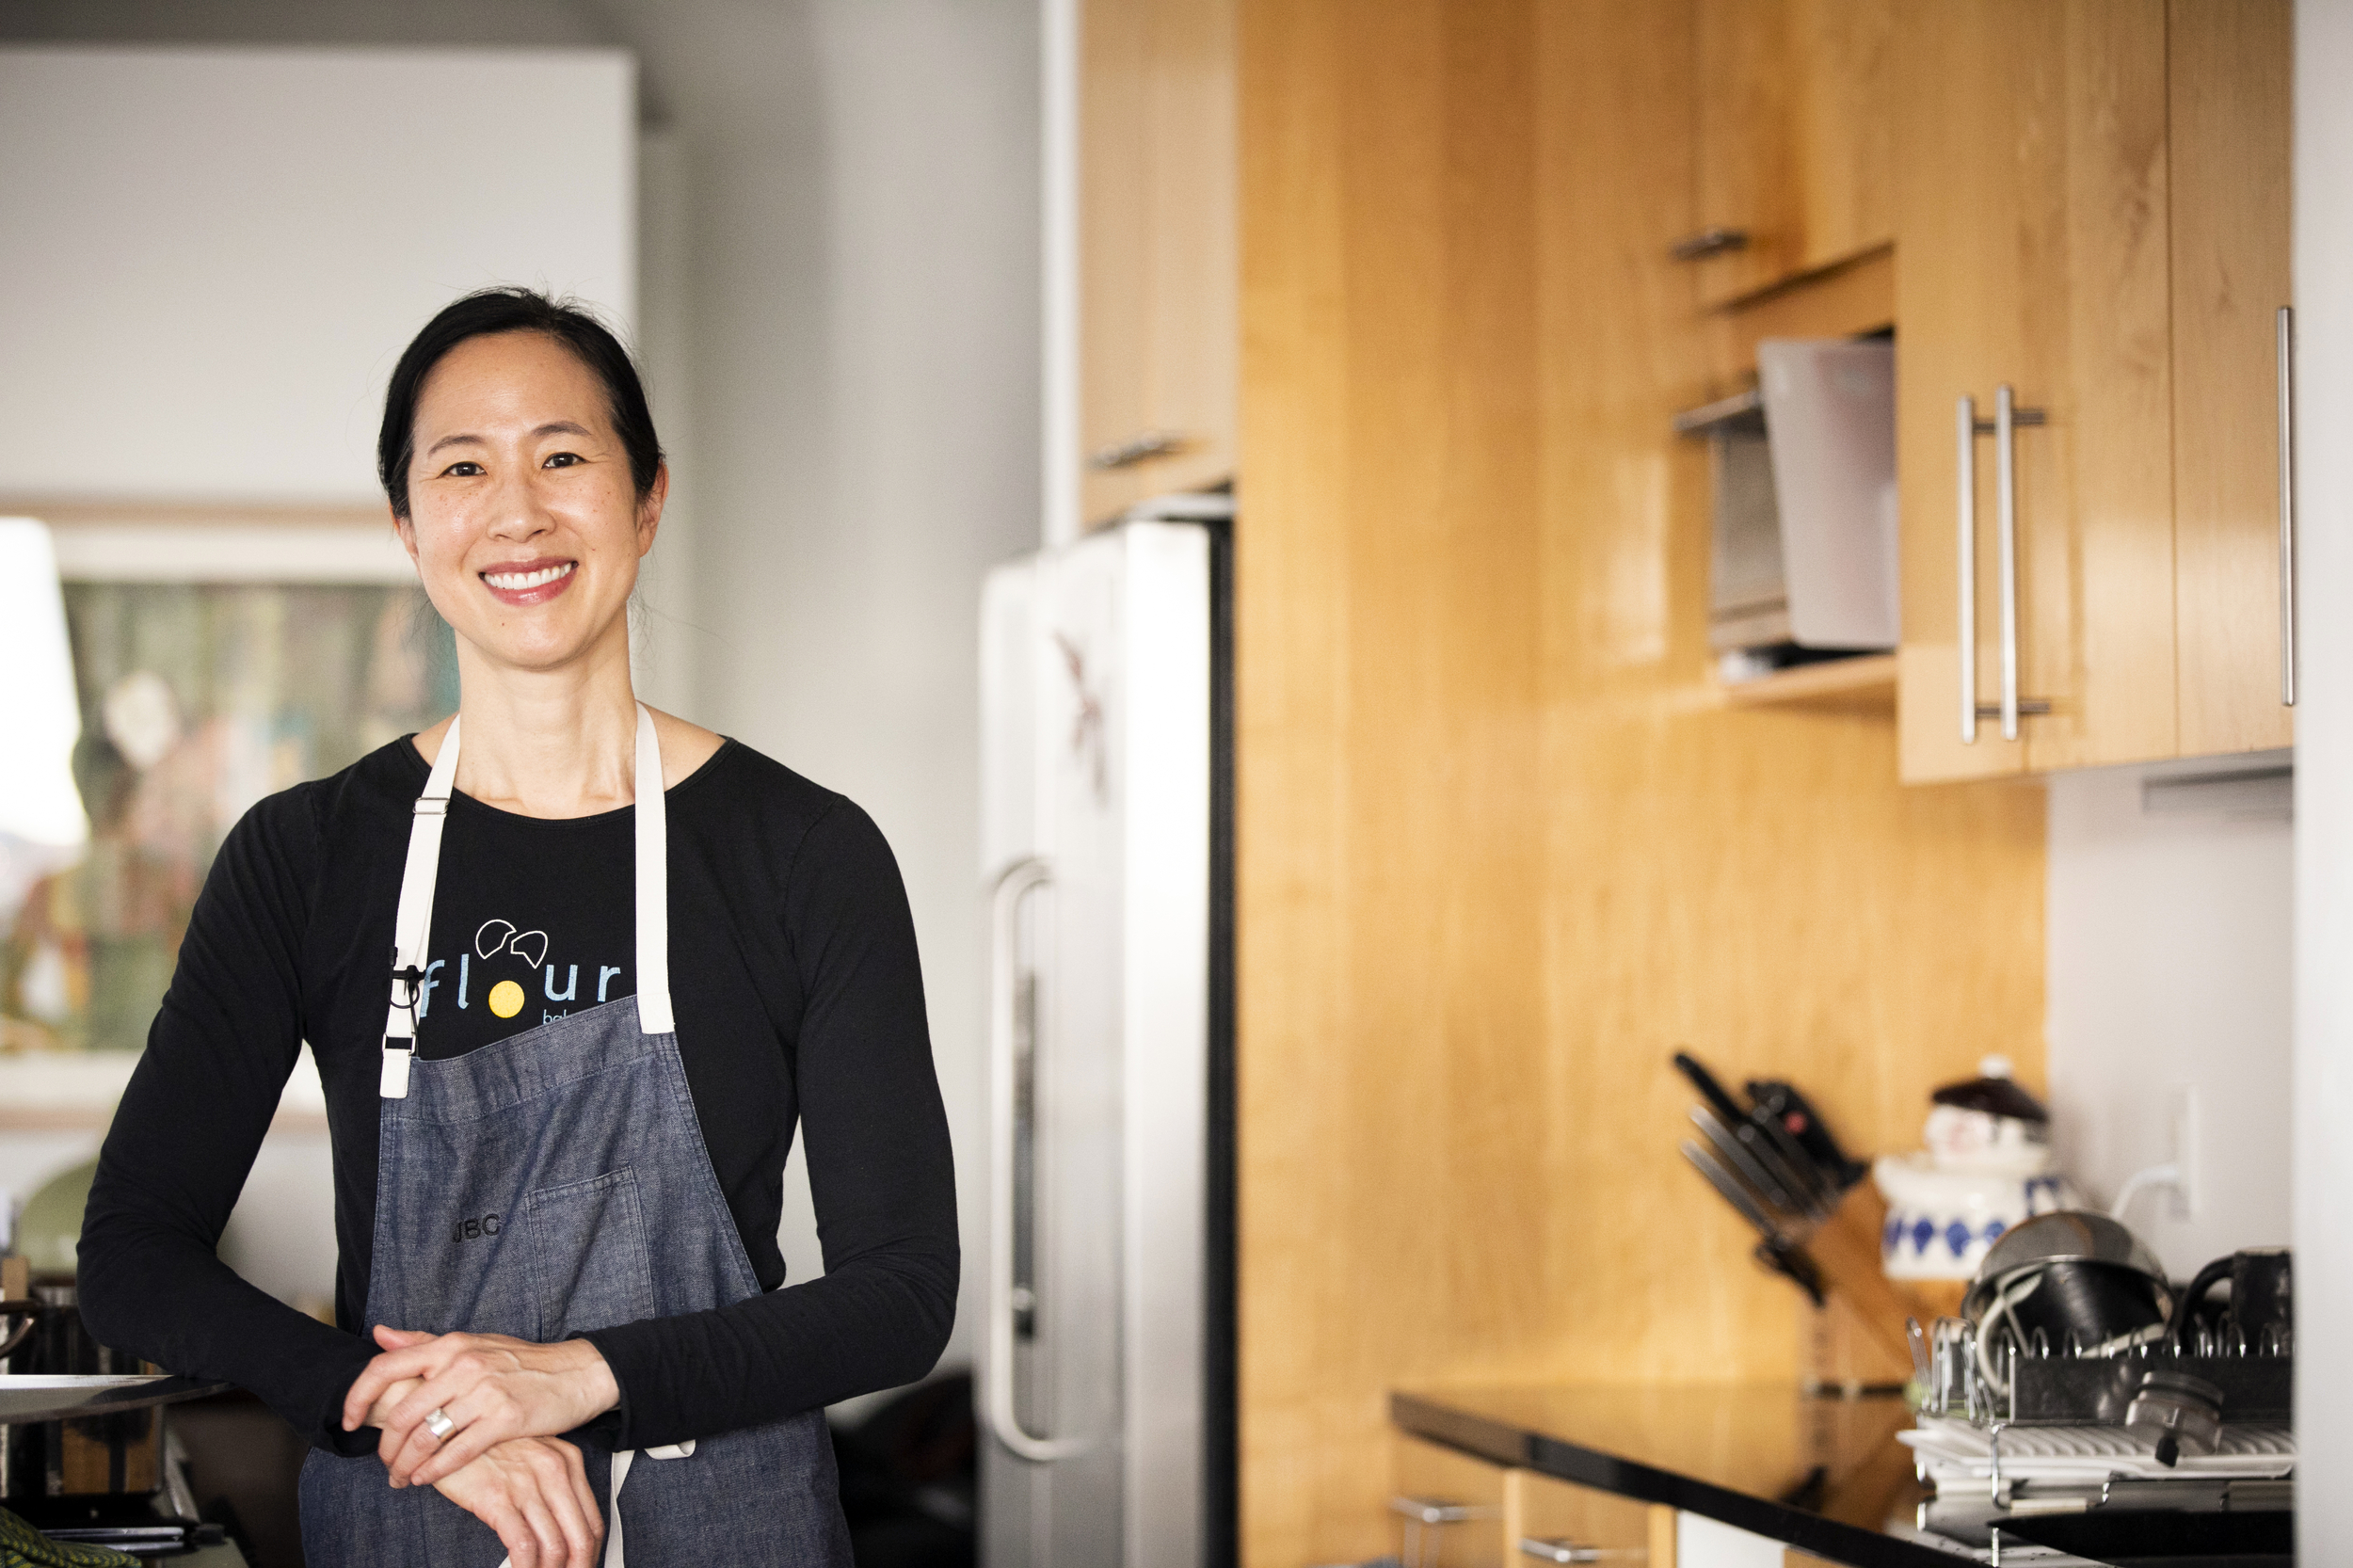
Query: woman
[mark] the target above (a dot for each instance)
(622, 958)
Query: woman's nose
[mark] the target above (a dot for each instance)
(517, 512)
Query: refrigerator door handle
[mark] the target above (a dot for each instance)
(1015, 884)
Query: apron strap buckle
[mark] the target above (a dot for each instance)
(398, 1052)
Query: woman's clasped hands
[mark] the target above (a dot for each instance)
(501, 1403)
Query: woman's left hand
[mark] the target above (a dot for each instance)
(492, 1386)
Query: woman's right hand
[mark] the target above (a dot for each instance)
(534, 1492)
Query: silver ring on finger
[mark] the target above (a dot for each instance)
(437, 1421)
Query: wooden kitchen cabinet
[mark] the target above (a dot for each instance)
(1157, 328)
(2053, 239)
(1539, 1509)
(1793, 155)
(1446, 1507)
(1502, 1517)
(2228, 62)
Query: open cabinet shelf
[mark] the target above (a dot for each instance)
(1865, 684)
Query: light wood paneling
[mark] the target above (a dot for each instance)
(2228, 61)
(1503, 847)
(1792, 113)
(2034, 252)
(1156, 236)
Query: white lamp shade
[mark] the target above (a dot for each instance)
(40, 718)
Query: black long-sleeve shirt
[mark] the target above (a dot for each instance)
(798, 997)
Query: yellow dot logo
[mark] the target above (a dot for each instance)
(506, 999)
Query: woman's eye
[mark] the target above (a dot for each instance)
(563, 460)
(465, 469)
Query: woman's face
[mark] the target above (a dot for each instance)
(524, 520)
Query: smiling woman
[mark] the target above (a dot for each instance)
(522, 467)
(558, 1231)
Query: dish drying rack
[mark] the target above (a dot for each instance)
(2003, 1436)
(1987, 1379)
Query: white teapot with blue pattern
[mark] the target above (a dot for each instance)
(1986, 1168)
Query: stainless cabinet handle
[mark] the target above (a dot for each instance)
(1435, 1511)
(1708, 242)
(2003, 427)
(1425, 1519)
(1563, 1549)
(1967, 422)
(2006, 547)
(1005, 1305)
(2287, 505)
(1137, 449)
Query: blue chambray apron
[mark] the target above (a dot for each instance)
(551, 1183)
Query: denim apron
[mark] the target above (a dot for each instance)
(548, 1184)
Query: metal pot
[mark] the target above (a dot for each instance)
(2072, 1282)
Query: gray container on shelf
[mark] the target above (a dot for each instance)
(1829, 421)
(1802, 472)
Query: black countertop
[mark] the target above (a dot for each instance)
(1824, 1475)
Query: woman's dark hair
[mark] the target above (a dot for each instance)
(486, 313)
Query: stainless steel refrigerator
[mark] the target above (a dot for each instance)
(1106, 1382)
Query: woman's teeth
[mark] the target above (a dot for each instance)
(515, 582)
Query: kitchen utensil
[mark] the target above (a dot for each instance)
(104, 1447)
(2067, 1282)
(1797, 1117)
(18, 1319)
(2185, 1412)
(2070, 1236)
(1765, 1138)
(1772, 1194)
(1776, 1251)
(1744, 1200)
(1782, 1171)
(2259, 1320)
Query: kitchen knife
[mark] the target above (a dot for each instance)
(1791, 1109)
(1782, 1256)
(1772, 1147)
(1736, 1193)
(1775, 1198)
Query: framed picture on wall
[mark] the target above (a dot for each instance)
(213, 663)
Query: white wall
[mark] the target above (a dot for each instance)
(2169, 938)
(2324, 782)
(863, 364)
(213, 256)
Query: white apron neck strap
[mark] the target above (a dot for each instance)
(654, 885)
(412, 922)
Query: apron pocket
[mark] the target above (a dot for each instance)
(590, 1261)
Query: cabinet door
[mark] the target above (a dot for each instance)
(2229, 62)
(1794, 108)
(2033, 220)
(1542, 1513)
(1158, 333)
(1448, 1507)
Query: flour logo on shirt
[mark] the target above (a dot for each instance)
(495, 939)
(506, 997)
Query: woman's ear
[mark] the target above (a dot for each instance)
(649, 509)
(407, 529)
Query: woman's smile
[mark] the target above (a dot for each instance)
(533, 582)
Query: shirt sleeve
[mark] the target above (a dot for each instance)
(880, 1171)
(185, 1135)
